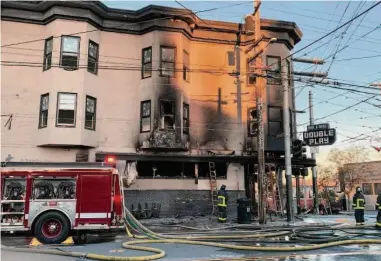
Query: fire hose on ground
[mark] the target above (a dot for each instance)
(149, 237)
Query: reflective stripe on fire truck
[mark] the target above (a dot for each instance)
(26, 217)
(92, 215)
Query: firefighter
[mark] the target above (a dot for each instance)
(378, 207)
(222, 204)
(359, 206)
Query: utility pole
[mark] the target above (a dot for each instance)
(287, 148)
(238, 74)
(260, 90)
(297, 183)
(313, 156)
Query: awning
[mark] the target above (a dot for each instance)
(171, 157)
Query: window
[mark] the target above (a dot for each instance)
(289, 76)
(274, 72)
(69, 52)
(186, 67)
(252, 122)
(145, 116)
(163, 170)
(167, 61)
(251, 79)
(90, 113)
(167, 115)
(48, 53)
(275, 121)
(367, 188)
(231, 59)
(66, 109)
(52, 188)
(377, 188)
(204, 171)
(44, 107)
(146, 62)
(185, 118)
(92, 57)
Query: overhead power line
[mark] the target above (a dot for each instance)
(335, 30)
(308, 16)
(339, 111)
(191, 70)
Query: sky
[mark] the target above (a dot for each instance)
(315, 19)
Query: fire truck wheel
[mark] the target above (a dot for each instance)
(51, 228)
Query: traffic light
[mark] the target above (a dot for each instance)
(304, 172)
(298, 149)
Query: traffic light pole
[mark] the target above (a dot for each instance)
(313, 156)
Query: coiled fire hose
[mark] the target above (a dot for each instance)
(193, 240)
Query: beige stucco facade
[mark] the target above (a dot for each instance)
(119, 88)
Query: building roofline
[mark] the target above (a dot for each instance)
(105, 13)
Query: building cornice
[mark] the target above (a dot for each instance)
(147, 19)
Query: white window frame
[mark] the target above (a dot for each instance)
(69, 53)
(93, 114)
(43, 111)
(58, 110)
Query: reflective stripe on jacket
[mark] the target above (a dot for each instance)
(358, 201)
(221, 201)
(378, 204)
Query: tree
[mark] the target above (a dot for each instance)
(346, 167)
(328, 179)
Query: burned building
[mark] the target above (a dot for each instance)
(151, 88)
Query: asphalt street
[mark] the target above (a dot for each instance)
(111, 245)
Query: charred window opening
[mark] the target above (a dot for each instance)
(274, 73)
(186, 118)
(252, 123)
(165, 170)
(275, 121)
(221, 170)
(145, 116)
(147, 62)
(167, 61)
(167, 115)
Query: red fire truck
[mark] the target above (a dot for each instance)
(56, 200)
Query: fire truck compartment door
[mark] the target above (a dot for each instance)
(94, 199)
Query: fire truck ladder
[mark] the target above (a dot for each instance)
(213, 186)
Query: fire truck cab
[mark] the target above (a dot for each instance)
(55, 200)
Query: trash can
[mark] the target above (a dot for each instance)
(244, 211)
